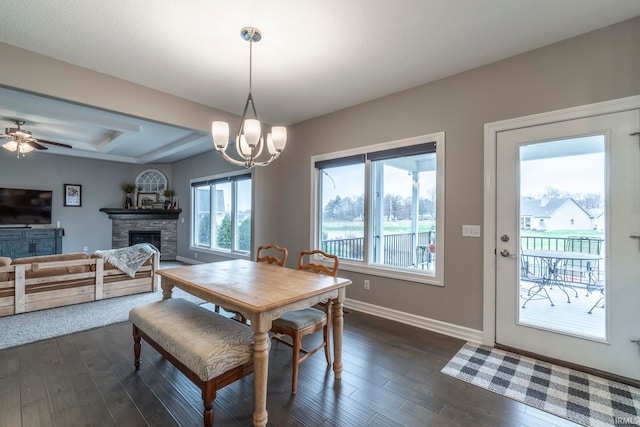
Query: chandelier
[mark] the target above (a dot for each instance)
(21, 140)
(250, 140)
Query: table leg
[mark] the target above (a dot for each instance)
(338, 326)
(260, 370)
(167, 288)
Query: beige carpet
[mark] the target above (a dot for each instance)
(34, 326)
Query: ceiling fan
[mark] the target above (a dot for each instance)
(22, 142)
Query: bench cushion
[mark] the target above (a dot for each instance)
(207, 343)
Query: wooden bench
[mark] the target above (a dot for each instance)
(211, 350)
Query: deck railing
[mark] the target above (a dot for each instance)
(574, 271)
(400, 250)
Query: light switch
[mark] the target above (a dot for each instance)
(470, 231)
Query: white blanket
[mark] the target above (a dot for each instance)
(129, 259)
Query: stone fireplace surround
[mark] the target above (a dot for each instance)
(165, 221)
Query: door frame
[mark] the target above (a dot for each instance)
(491, 131)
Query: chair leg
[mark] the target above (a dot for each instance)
(597, 304)
(540, 289)
(136, 347)
(327, 334)
(327, 344)
(297, 344)
(208, 396)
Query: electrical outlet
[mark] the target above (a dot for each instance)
(366, 284)
(195, 255)
(85, 248)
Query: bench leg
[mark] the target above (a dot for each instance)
(136, 347)
(208, 396)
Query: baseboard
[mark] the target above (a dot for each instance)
(449, 329)
(187, 260)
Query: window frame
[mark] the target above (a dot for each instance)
(365, 267)
(233, 178)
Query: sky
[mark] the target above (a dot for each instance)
(580, 174)
(550, 167)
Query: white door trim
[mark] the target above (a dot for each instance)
(490, 140)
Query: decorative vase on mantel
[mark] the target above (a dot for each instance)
(128, 190)
(168, 198)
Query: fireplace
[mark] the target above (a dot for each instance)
(156, 226)
(144, 236)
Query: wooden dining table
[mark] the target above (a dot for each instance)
(261, 293)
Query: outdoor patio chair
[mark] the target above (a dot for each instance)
(573, 271)
(299, 323)
(532, 272)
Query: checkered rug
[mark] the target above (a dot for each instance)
(582, 398)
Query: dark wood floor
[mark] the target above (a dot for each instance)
(391, 378)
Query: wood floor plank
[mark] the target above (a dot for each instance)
(391, 377)
(116, 399)
(10, 404)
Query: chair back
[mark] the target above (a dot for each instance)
(272, 254)
(587, 245)
(306, 262)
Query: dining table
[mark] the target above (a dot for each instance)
(261, 293)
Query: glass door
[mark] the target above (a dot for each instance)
(568, 200)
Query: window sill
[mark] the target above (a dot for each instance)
(410, 275)
(225, 254)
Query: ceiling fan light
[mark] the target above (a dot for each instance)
(11, 145)
(24, 148)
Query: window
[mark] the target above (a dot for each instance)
(380, 208)
(221, 213)
(151, 181)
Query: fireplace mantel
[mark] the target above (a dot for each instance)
(142, 214)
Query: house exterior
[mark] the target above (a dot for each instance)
(554, 214)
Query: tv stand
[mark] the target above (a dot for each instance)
(26, 241)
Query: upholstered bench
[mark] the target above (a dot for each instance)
(211, 350)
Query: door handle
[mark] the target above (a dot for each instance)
(505, 253)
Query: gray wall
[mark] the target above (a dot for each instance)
(100, 180)
(590, 68)
(594, 67)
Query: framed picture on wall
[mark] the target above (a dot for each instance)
(146, 200)
(72, 195)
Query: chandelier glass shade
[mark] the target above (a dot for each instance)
(250, 140)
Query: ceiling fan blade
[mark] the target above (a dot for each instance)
(59, 144)
(35, 145)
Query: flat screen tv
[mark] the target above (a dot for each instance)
(25, 207)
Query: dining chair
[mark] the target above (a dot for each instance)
(272, 254)
(299, 323)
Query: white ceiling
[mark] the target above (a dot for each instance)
(315, 57)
